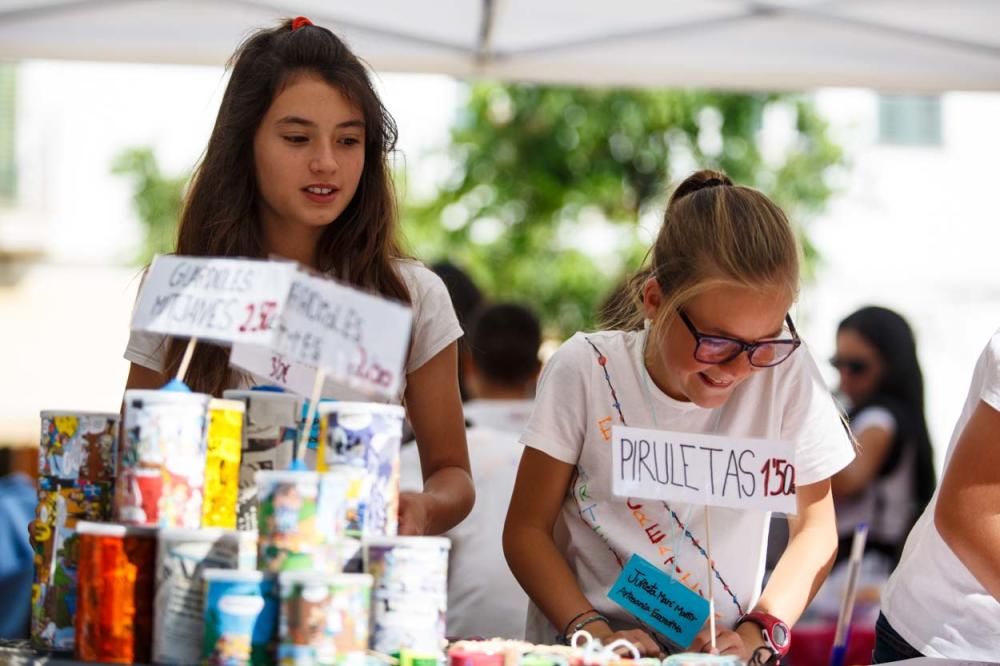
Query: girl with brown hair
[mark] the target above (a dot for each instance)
(711, 348)
(297, 166)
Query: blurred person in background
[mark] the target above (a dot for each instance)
(17, 509)
(466, 297)
(484, 599)
(892, 478)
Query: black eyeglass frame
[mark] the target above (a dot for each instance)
(748, 347)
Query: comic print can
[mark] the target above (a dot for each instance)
(367, 436)
(114, 618)
(161, 480)
(324, 618)
(410, 593)
(182, 557)
(271, 431)
(299, 521)
(224, 442)
(76, 470)
(241, 618)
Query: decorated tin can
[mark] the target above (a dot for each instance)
(76, 466)
(114, 618)
(271, 430)
(161, 481)
(367, 436)
(324, 618)
(241, 618)
(224, 442)
(182, 557)
(410, 593)
(300, 519)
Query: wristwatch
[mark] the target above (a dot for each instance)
(776, 633)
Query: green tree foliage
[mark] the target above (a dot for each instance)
(543, 174)
(157, 199)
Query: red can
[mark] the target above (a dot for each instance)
(114, 619)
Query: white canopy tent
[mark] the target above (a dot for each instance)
(891, 45)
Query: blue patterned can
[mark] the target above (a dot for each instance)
(366, 436)
(241, 618)
(410, 595)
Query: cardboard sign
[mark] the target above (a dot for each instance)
(360, 340)
(221, 300)
(659, 601)
(704, 469)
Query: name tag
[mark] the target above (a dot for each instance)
(660, 602)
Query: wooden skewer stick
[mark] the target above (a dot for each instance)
(186, 359)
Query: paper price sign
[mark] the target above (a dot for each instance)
(222, 300)
(360, 340)
(273, 368)
(739, 473)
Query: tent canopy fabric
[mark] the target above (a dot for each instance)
(891, 45)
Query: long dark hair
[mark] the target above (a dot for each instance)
(220, 216)
(900, 389)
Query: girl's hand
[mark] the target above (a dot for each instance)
(414, 514)
(642, 641)
(729, 642)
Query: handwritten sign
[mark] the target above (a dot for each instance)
(659, 601)
(222, 300)
(360, 340)
(704, 469)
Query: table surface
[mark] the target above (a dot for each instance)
(20, 653)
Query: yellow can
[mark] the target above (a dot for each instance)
(222, 462)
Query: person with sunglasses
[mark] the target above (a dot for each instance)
(705, 344)
(891, 480)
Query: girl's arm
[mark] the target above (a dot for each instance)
(435, 412)
(874, 444)
(808, 558)
(541, 486)
(968, 505)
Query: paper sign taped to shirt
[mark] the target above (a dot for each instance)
(221, 300)
(659, 601)
(739, 473)
(358, 339)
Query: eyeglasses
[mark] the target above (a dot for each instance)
(716, 349)
(853, 366)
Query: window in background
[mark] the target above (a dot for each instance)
(909, 120)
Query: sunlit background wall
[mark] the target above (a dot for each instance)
(911, 224)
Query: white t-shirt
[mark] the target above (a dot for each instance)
(435, 326)
(484, 598)
(932, 600)
(597, 532)
(888, 503)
